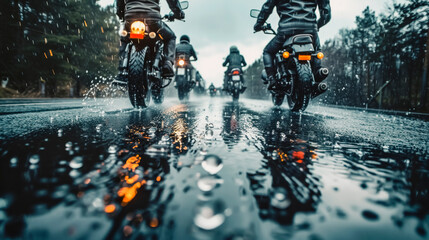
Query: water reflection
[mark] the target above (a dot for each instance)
(286, 164)
(231, 131)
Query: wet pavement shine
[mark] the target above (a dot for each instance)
(210, 169)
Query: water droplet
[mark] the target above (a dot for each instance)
(3, 203)
(279, 198)
(69, 145)
(98, 128)
(165, 138)
(209, 134)
(60, 132)
(370, 215)
(76, 162)
(34, 159)
(208, 183)
(210, 215)
(112, 149)
(212, 164)
(13, 162)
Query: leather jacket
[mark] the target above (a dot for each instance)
(185, 48)
(297, 14)
(149, 9)
(234, 60)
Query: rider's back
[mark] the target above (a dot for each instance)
(142, 8)
(297, 14)
(185, 48)
(234, 59)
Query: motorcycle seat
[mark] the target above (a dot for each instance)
(299, 39)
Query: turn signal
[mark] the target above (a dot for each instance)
(320, 55)
(181, 62)
(286, 54)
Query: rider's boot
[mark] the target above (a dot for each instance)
(270, 77)
(264, 77)
(167, 69)
(271, 82)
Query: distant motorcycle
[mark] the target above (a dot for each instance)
(184, 83)
(143, 60)
(234, 84)
(213, 91)
(294, 78)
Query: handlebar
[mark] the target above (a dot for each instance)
(170, 17)
(267, 29)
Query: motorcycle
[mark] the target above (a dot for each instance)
(184, 83)
(213, 92)
(234, 84)
(144, 55)
(294, 78)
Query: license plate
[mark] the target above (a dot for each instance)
(181, 71)
(236, 78)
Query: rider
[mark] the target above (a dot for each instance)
(212, 88)
(130, 10)
(234, 60)
(185, 48)
(296, 17)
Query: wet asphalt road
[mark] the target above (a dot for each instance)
(210, 169)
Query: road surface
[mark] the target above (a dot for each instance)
(210, 169)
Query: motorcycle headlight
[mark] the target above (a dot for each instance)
(138, 27)
(181, 62)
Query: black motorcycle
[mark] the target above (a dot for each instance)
(294, 78)
(234, 84)
(212, 92)
(144, 56)
(184, 81)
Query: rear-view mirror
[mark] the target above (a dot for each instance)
(254, 13)
(184, 4)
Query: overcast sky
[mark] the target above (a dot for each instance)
(215, 25)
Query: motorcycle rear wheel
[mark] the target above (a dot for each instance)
(138, 81)
(302, 86)
(277, 99)
(235, 95)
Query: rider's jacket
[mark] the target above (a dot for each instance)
(234, 60)
(185, 48)
(297, 14)
(144, 8)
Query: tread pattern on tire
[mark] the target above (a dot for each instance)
(138, 82)
(303, 86)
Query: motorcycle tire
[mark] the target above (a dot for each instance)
(302, 86)
(278, 99)
(235, 95)
(138, 80)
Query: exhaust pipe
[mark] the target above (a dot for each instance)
(319, 88)
(321, 74)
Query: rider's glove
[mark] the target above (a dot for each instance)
(179, 15)
(258, 26)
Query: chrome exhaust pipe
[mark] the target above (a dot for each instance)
(321, 74)
(319, 88)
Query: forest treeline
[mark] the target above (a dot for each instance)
(390, 49)
(52, 47)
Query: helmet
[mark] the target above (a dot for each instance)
(185, 38)
(233, 49)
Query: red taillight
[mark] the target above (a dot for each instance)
(236, 72)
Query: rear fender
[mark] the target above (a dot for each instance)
(303, 48)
